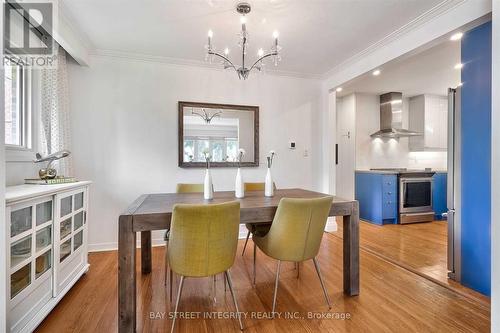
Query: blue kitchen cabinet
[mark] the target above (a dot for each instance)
(377, 197)
(439, 195)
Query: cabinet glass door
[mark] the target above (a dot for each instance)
(43, 263)
(78, 201)
(65, 228)
(78, 240)
(65, 250)
(43, 212)
(20, 251)
(43, 238)
(66, 205)
(77, 221)
(20, 280)
(20, 221)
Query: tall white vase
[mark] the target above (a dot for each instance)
(269, 187)
(239, 189)
(208, 188)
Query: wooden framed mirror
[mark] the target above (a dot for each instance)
(220, 129)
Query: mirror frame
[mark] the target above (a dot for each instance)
(254, 109)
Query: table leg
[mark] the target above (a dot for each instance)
(351, 251)
(146, 252)
(126, 275)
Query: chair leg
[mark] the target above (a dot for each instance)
(276, 287)
(171, 278)
(225, 282)
(298, 269)
(254, 260)
(316, 264)
(246, 241)
(181, 283)
(230, 282)
(214, 288)
(166, 263)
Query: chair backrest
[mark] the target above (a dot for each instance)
(189, 188)
(249, 187)
(297, 228)
(203, 238)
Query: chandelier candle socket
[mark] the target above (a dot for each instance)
(243, 71)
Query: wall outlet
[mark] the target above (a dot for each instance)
(306, 153)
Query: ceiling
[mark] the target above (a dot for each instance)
(428, 72)
(316, 35)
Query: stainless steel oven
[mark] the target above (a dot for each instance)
(415, 198)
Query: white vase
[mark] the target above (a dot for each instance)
(239, 189)
(269, 187)
(208, 189)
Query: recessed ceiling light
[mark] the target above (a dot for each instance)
(456, 36)
(376, 72)
(459, 66)
(339, 89)
(460, 84)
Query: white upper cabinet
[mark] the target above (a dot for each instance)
(429, 115)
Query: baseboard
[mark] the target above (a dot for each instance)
(113, 246)
(331, 226)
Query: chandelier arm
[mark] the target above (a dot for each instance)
(262, 58)
(223, 57)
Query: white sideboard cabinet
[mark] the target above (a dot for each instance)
(46, 228)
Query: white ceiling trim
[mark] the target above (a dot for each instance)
(431, 14)
(191, 63)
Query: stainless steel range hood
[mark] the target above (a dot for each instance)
(391, 117)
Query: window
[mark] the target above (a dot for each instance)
(220, 149)
(17, 107)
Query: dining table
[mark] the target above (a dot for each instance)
(154, 211)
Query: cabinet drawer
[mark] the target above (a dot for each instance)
(389, 209)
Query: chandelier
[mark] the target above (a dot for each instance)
(243, 71)
(206, 116)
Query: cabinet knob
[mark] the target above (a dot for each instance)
(389, 193)
(389, 183)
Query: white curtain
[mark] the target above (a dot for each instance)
(55, 114)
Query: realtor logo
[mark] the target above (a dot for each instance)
(28, 28)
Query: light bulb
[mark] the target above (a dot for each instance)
(459, 66)
(210, 33)
(376, 72)
(260, 53)
(226, 51)
(276, 34)
(456, 36)
(243, 20)
(339, 89)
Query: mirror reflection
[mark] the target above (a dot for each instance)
(220, 131)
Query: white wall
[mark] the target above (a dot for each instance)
(346, 124)
(387, 153)
(124, 128)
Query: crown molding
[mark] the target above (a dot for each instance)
(433, 13)
(188, 63)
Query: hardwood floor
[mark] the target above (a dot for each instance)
(419, 247)
(392, 299)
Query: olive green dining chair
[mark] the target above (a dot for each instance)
(261, 228)
(203, 242)
(295, 235)
(181, 188)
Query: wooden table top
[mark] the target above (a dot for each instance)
(159, 203)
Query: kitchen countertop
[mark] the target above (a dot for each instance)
(396, 172)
